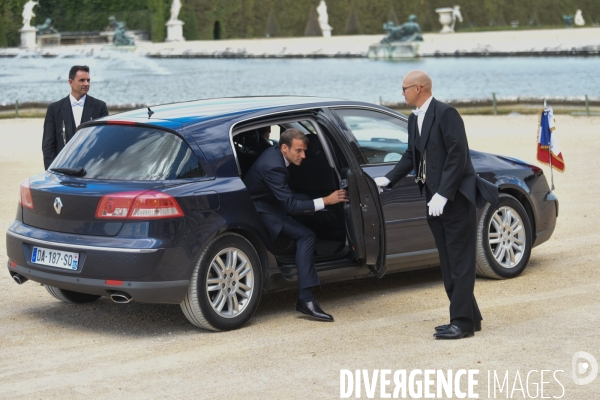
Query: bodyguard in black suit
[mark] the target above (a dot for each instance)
(438, 152)
(268, 184)
(64, 116)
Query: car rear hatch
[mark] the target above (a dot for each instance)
(92, 186)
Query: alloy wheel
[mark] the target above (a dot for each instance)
(506, 237)
(230, 282)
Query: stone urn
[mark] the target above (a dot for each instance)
(446, 18)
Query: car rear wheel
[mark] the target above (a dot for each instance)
(504, 239)
(71, 297)
(226, 285)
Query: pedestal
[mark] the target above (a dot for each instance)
(326, 29)
(28, 37)
(175, 31)
(445, 19)
(393, 51)
(52, 39)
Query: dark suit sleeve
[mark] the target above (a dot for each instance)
(457, 147)
(49, 137)
(275, 178)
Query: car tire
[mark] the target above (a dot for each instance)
(226, 285)
(68, 296)
(504, 239)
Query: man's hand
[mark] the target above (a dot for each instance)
(381, 182)
(436, 205)
(339, 196)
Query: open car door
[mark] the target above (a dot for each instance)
(363, 213)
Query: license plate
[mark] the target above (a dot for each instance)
(55, 258)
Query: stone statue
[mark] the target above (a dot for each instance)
(579, 21)
(324, 19)
(28, 13)
(112, 24)
(456, 14)
(120, 38)
(175, 8)
(46, 28)
(407, 32)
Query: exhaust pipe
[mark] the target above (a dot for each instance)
(121, 297)
(20, 279)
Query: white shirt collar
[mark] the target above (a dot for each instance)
(425, 106)
(287, 163)
(74, 100)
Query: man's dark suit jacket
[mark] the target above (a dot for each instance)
(268, 184)
(59, 112)
(448, 162)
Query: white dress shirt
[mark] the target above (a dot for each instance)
(77, 107)
(420, 113)
(319, 203)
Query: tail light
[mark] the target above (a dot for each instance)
(138, 205)
(116, 205)
(25, 198)
(155, 205)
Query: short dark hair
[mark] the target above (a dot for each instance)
(289, 135)
(76, 68)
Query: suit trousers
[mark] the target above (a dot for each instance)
(305, 247)
(455, 233)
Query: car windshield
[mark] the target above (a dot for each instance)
(129, 153)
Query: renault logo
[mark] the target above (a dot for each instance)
(57, 205)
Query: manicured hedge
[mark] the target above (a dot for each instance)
(249, 18)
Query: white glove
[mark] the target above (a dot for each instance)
(381, 182)
(436, 205)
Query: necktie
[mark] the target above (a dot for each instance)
(77, 103)
(418, 112)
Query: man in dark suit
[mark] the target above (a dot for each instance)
(438, 152)
(64, 116)
(268, 184)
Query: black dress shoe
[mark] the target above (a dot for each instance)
(453, 332)
(312, 309)
(476, 327)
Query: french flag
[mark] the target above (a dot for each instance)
(548, 150)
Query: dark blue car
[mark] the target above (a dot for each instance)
(151, 207)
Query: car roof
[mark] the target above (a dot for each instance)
(176, 116)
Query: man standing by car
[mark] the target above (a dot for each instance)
(64, 116)
(268, 184)
(438, 152)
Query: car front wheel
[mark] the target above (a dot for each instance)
(504, 239)
(226, 285)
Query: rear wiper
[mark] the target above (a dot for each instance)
(70, 171)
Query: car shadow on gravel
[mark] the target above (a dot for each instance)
(104, 316)
(147, 320)
(349, 291)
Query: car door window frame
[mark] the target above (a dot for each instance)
(235, 130)
(350, 135)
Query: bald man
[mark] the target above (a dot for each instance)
(438, 152)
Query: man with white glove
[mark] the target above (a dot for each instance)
(438, 152)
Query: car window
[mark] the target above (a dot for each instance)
(381, 137)
(129, 153)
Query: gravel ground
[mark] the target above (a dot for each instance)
(534, 322)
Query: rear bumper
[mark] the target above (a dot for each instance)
(122, 258)
(170, 292)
